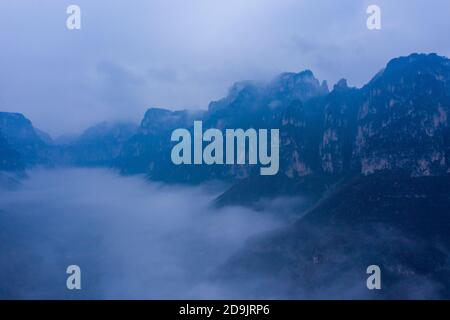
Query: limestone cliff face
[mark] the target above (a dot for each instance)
(340, 122)
(403, 118)
(277, 104)
(398, 121)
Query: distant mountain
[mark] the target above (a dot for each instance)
(371, 165)
(148, 151)
(97, 146)
(65, 139)
(10, 159)
(403, 120)
(100, 144)
(22, 137)
(398, 121)
(345, 131)
(247, 105)
(380, 195)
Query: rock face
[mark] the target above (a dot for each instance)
(340, 127)
(247, 105)
(403, 120)
(398, 121)
(148, 151)
(24, 146)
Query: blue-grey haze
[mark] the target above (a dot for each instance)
(129, 56)
(132, 239)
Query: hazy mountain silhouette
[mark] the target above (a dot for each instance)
(371, 165)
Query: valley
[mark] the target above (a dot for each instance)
(364, 173)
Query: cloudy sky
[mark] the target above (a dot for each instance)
(131, 55)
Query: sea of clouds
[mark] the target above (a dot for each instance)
(131, 238)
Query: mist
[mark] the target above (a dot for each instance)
(132, 238)
(136, 239)
(183, 54)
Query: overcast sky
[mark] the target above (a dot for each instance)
(131, 55)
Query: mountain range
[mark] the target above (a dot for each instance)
(372, 165)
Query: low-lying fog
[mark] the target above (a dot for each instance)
(131, 238)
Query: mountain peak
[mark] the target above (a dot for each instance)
(416, 59)
(302, 85)
(15, 126)
(416, 64)
(341, 84)
(293, 76)
(12, 115)
(107, 129)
